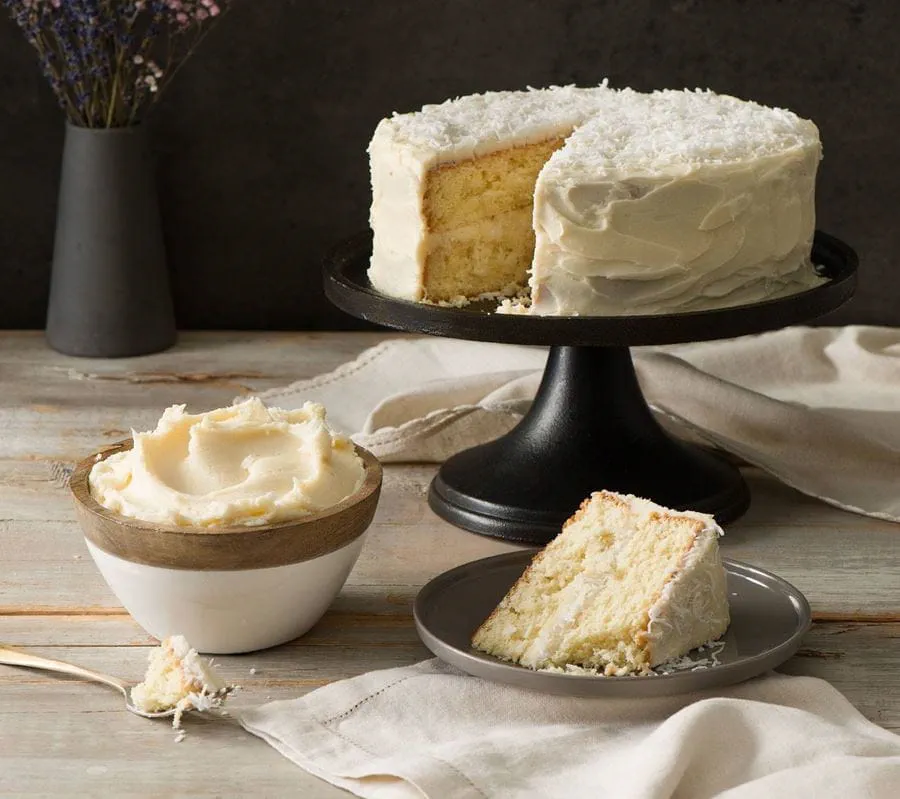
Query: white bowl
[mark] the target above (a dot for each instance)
(235, 589)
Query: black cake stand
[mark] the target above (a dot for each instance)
(589, 426)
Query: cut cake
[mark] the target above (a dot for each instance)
(627, 585)
(603, 201)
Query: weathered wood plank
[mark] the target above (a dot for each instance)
(102, 750)
(859, 659)
(844, 563)
(361, 620)
(47, 565)
(286, 352)
(109, 756)
(63, 408)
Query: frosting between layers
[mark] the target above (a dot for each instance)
(247, 464)
(579, 595)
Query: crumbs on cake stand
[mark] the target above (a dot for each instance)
(514, 290)
(519, 304)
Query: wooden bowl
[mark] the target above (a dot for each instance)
(227, 589)
(218, 548)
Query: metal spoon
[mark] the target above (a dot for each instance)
(15, 657)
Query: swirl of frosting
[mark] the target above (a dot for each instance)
(242, 465)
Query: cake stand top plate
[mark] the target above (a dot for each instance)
(348, 287)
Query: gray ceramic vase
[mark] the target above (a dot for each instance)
(109, 290)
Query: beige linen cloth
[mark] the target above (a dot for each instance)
(818, 408)
(429, 731)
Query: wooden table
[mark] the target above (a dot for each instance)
(60, 736)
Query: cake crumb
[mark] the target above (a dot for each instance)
(253, 670)
(178, 679)
(516, 305)
(454, 302)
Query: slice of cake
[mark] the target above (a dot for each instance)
(453, 187)
(627, 585)
(177, 677)
(676, 201)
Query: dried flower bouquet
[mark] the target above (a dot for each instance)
(108, 61)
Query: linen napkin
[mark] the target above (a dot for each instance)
(429, 731)
(819, 408)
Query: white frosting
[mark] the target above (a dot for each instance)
(676, 201)
(693, 606)
(406, 146)
(577, 597)
(247, 464)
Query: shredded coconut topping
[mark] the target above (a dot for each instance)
(494, 115)
(668, 128)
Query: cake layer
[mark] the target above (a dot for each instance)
(675, 201)
(487, 257)
(460, 193)
(627, 585)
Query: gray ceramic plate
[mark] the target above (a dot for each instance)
(768, 620)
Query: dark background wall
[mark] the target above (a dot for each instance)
(262, 140)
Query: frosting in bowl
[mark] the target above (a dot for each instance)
(243, 465)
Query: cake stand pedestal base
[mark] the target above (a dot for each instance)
(589, 428)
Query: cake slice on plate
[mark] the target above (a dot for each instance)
(627, 585)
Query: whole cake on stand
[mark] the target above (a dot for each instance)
(607, 219)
